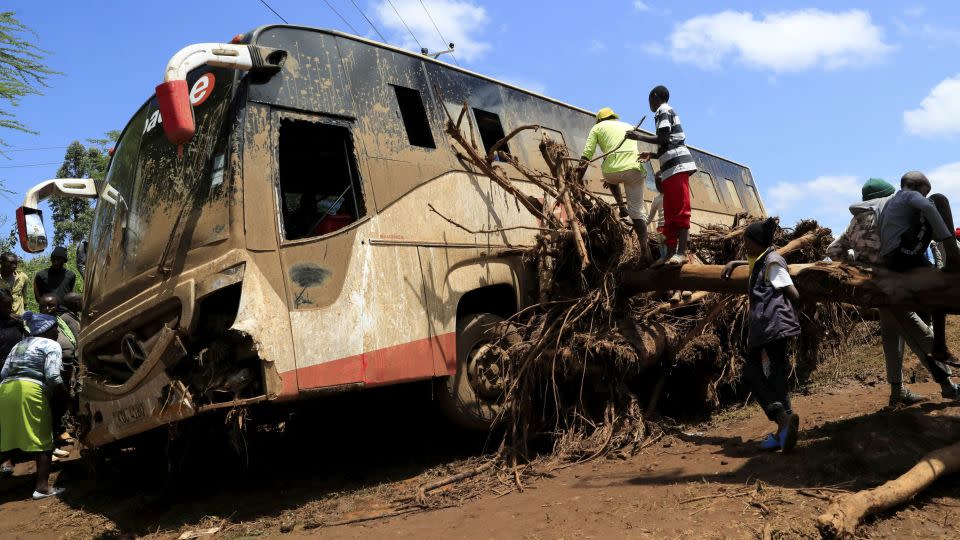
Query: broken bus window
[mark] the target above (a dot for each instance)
(319, 184)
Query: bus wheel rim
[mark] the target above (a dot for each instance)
(485, 370)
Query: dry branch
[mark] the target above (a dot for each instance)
(499, 144)
(843, 516)
(437, 484)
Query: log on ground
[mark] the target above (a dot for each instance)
(842, 517)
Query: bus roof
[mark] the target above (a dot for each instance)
(257, 31)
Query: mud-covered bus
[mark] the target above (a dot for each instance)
(267, 238)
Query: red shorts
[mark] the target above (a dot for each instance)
(676, 206)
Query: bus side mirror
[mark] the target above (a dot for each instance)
(33, 238)
(176, 111)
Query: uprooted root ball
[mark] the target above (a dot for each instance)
(590, 363)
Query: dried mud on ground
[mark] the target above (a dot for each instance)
(702, 480)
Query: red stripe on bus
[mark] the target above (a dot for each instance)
(414, 360)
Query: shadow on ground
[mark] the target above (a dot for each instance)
(331, 446)
(858, 453)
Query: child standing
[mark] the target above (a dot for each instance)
(676, 166)
(772, 323)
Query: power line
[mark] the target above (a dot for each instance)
(435, 27)
(404, 23)
(30, 165)
(264, 2)
(5, 150)
(346, 22)
(375, 29)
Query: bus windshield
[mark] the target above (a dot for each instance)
(152, 186)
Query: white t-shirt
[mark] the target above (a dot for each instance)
(777, 275)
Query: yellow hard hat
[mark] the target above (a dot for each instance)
(606, 113)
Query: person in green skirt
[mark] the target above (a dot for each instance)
(30, 377)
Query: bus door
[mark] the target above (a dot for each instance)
(348, 300)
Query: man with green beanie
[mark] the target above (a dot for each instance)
(860, 243)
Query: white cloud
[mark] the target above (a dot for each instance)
(460, 21)
(915, 11)
(644, 7)
(825, 198)
(946, 179)
(828, 198)
(787, 41)
(939, 112)
(939, 34)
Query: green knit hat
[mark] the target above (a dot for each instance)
(876, 188)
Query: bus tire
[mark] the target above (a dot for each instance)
(473, 396)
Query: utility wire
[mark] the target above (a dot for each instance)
(435, 27)
(375, 29)
(5, 150)
(30, 165)
(264, 2)
(404, 23)
(346, 22)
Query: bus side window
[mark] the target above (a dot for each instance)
(491, 130)
(735, 196)
(319, 183)
(414, 117)
(701, 183)
(753, 201)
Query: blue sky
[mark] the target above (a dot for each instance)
(814, 97)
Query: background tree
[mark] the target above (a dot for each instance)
(22, 71)
(72, 218)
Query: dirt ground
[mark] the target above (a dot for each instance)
(351, 457)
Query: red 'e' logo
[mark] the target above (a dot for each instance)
(202, 89)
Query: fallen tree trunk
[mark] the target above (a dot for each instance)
(846, 512)
(823, 282)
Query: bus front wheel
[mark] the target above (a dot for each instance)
(473, 396)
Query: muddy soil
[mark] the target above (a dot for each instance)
(349, 457)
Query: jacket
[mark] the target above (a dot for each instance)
(35, 359)
(771, 315)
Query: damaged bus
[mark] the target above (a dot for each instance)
(262, 233)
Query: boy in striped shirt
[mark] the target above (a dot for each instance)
(676, 166)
